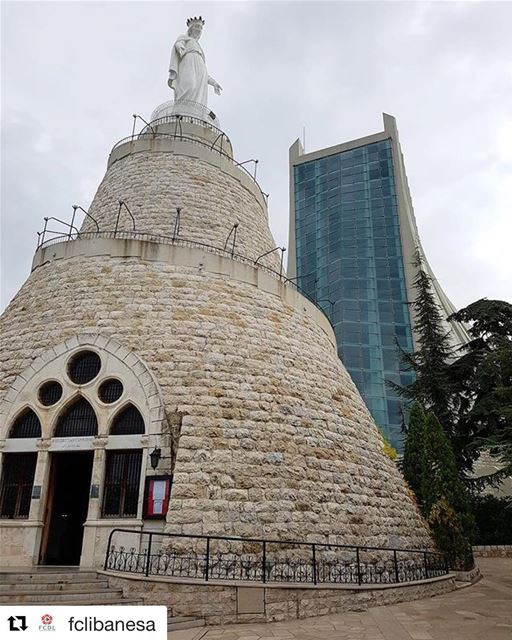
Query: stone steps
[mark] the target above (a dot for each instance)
(53, 596)
(69, 586)
(27, 587)
(58, 586)
(184, 622)
(48, 577)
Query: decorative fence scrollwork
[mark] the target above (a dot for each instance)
(268, 561)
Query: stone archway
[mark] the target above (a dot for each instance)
(96, 450)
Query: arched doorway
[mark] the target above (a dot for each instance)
(75, 460)
(68, 500)
(69, 486)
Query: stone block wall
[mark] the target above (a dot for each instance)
(493, 551)
(19, 542)
(217, 603)
(213, 196)
(276, 441)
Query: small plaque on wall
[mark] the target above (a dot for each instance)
(95, 491)
(36, 492)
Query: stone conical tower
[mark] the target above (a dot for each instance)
(233, 374)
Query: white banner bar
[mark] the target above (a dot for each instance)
(21, 622)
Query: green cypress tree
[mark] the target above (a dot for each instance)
(432, 386)
(413, 463)
(445, 501)
(430, 468)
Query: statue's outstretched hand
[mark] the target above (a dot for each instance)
(217, 88)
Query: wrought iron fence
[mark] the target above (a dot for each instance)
(176, 118)
(268, 561)
(178, 135)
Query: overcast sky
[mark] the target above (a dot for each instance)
(73, 73)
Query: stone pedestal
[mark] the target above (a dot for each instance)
(186, 108)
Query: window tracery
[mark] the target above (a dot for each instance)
(81, 389)
(27, 425)
(77, 420)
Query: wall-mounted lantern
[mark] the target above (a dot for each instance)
(155, 456)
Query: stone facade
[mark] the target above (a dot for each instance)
(213, 193)
(220, 603)
(271, 437)
(275, 440)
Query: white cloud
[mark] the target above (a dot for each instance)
(504, 143)
(443, 69)
(43, 143)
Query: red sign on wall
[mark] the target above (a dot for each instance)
(158, 491)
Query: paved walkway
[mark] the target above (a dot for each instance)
(479, 612)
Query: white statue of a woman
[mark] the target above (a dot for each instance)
(188, 75)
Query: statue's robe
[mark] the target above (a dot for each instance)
(188, 75)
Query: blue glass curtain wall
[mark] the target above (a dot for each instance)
(348, 250)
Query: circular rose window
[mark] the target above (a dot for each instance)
(50, 393)
(110, 391)
(84, 367)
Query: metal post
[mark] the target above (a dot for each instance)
(176, 224)
(89, 216)
(133, 128)
(44, 229)
(118, 215)
(313, 549)
(235, 226)
(221, 135)
(426, 564)
(109, 543)
(264, 561)
(283, 249)
(207, 568)
(122, 203)
(396, 565)
(146, 123)
(148, 559)
(359, 578)
(72, 221)
(255, 168)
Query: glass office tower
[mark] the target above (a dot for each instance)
(352, 244)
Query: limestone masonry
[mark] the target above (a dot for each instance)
(235, 374)
(212, 193)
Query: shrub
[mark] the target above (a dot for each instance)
(493, 517)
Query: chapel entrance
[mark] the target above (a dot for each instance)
(66, 508)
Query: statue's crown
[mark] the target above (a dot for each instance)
(195, 20)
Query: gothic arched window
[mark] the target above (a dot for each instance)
(26, 426)
(77, 420)
(127, 421)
